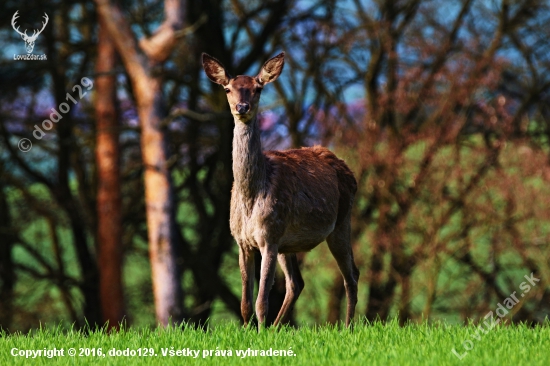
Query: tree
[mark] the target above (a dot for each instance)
(158, 182)
(7, 270)
(109, 200)
(432, 83)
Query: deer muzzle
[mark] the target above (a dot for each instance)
(242, 108)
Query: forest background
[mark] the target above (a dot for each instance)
(120, 210)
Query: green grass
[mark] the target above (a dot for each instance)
(375, 344)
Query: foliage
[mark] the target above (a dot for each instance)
(441, 110)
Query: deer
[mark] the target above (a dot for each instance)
(29, 40)
(282, 202)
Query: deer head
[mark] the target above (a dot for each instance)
(29, 40)
(243, 92)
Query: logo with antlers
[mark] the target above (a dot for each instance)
(29, 40)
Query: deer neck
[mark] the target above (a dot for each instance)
(249, 165)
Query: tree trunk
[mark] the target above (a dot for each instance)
(159, 201)
(109, 201)
(405, 302)
(337, 294)
(7, 273)
(377, 305)
(381, 292)
(87, 261)
(159, 198)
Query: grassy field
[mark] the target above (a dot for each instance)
(375, 344)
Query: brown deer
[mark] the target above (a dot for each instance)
(282, 202)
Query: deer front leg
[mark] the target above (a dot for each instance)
(246, 264)
(267, 274)
(294, 285)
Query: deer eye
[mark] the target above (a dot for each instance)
(227, 90)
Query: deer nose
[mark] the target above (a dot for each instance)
(242, 108)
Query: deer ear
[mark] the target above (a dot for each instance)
(271, 69)
(215, 70)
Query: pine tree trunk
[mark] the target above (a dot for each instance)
(109, 201)
(140, 62)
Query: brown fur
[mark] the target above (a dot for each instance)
(283, 202)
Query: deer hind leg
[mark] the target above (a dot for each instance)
(246, 264)
(267, 275)
(294, 285)
(340, 246)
